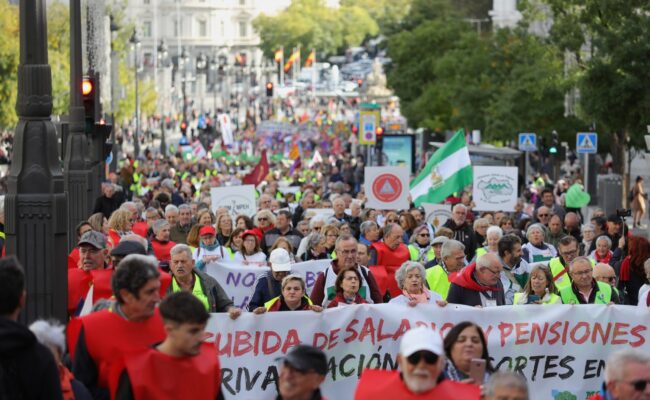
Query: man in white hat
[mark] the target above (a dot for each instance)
(421, 359)
(268, 285)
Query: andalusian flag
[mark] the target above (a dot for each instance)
(278, 55)
(295, 56)
(448, 171)
(310, 59)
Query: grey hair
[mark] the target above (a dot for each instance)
(533, 227)
(480, 221)
(314, 239)
(180, 248)
(171, 209)
(400, 274)
(150, 210)
(2, 205)
(129, 206)
(184, 207)
(459, 205)
(344, 237)
(451, 246)
(579, 259)
(586, 227)
(485, 261)
(167, 183)
(606, 239)
(294, 277)
(134, 237)
(506, 379)
(265, 213)
(49, 334)
(494, 229)
(317, 218)
(159, 224)
(366, 225)
(616, 362)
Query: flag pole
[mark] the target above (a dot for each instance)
(313, 72)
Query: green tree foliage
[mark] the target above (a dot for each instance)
(125, 108)
(386, 13)
(9, 59)
(611, 42)
(58, 38)
(447, 76)
(310, 24)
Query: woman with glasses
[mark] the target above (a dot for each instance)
(539, 289)
(347, 285)
(463, 343)
(330, 233)
(420, 247)
(250, 253)
(264, 221)
(410, 279)
(293, 297)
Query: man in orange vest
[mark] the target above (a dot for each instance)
(421, 359)
(92, 271)
(386, 257)
(182, 366)
(132, 323)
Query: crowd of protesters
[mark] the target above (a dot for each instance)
(153, 232)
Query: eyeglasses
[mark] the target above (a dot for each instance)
(581, 273)
(609, 278)
(543, 215)
(262, 219)
(423, 235)
(392, 220)
(639, 385)
(570, 253)
(429, 358)
(493, 272)
(316, 228)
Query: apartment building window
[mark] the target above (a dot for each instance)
(146, 29)
(178, 27)
(243, 29)
(203, 28)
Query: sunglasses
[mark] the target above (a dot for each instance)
(610, 278)
(429, 357)
(639, 385)
(262, 219)
(543, 215)
(423, 235)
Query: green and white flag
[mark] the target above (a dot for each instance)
(449, 170)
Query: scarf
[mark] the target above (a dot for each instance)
(422, 298)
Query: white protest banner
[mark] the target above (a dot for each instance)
(495, 188)
(237, 199)
(437, 214)
(239, 280)
(387, 188)
(560, 349)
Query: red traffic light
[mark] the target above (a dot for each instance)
(269, 86)
(359, 82)
(379, 131)
(87, 86)
(183, 125)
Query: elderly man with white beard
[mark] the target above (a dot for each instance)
(421, 359)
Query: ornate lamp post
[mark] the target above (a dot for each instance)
(183, 68)
(135, 46)
(36, 203)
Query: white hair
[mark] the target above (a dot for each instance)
(615, 367)
(459, 205)
(605, 239)
(49, 334)
(450, 247)
(400, 274)
(506, 379)
(533, 227)
(494, 229)
(171, 209)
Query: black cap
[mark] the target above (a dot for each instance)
(306, 358)
(126, 247)
(614, 218)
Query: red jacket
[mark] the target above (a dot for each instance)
(339, 299)
(161, 249)
(73, 258)
(389, 261)
(381, 384)
(140, 228)
(154, 375)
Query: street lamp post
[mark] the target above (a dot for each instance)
(77, 170)
(214, 65)
(36, 206)
(135, 43)
(201, 75)
(183, 67)
(162, 63)
(114, 78)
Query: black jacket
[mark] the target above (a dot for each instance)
(464, 234)
(27, 368)
(107, 205)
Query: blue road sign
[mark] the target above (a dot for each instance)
(587, 142)
(527, 142)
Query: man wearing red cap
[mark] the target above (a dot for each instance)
(421, 359)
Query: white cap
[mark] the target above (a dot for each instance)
(280, 260)
(421, 338)
(439, 240)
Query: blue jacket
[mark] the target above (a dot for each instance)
(266, 289)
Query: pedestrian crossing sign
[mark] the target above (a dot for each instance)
(527, 142)
(587, 142)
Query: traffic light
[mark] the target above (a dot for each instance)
(184, 128)
(104, 132)
(359, 82)
(269, 89)
(555, 143)
(88, 93)
(379, 144)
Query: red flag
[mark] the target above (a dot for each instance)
(261, 170)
